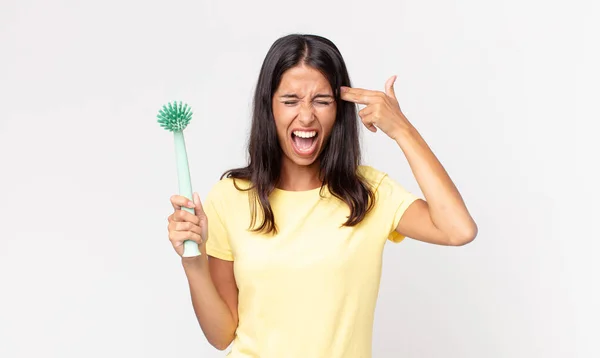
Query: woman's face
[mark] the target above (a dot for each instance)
(304, 108)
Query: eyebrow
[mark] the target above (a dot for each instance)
(319, 95)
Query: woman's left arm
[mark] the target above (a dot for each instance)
(442, 218)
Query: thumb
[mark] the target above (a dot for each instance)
(389, 87)
(199, 210)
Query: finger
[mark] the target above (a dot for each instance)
(361, 91)
(198, 203)
(178, 236)
(359, 98)
(365, 111)
(185, 216)
(185, 226)
(369, 123)
(179, 201)
(389, 87)
(371, 127)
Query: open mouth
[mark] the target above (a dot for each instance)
(304, 142)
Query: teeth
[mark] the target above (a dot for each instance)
(305, 134)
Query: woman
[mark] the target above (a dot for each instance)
(292, 243)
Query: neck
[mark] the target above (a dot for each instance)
(296, 177)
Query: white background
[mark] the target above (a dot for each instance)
(505, 93)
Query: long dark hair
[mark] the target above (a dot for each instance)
(340, 157)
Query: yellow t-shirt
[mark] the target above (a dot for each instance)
(309, 291)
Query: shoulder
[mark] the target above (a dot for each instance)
(382, 184)
(228, 189)
(371, 175)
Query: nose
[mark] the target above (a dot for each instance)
(306, 115)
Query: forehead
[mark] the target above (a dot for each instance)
(303, 79)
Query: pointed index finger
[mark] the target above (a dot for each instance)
(357, 95)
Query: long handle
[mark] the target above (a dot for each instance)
(190, 248)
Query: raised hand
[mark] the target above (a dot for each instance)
(382, 109)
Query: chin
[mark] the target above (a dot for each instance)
(303, 162)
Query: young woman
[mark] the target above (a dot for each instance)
(292, 243)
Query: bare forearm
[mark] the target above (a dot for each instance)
(446, 206)
(213, 314)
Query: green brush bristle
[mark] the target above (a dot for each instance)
(174, 117)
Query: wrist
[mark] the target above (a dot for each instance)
(195, 265)
(405, 133)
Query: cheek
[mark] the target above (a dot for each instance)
(282, 118)
(327, 119)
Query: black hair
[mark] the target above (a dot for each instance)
(340, 157)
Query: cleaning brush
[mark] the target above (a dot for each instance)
(175, 118)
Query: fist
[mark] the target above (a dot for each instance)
(184, 225)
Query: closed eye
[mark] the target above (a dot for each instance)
(290, 103)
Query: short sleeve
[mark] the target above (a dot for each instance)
(218, 237)
(393, 200)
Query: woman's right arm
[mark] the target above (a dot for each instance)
(214, 297)
(211, 281)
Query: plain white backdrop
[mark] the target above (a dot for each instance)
(505, 93)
